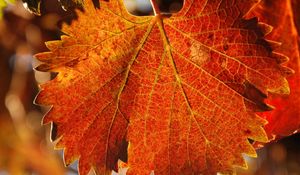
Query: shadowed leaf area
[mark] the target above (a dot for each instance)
(283, 16)
(176, 94)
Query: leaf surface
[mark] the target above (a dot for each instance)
(285, 119)
(182, 91)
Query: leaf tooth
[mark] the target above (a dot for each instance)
(48, 118)
(265, 28)
(44, 68)
(256, 97)
(261, 120)
(43, 56)
(69, 156)
(51, 45)
(284, 89)
(37, 100)
(258, 134)
(280, 57)
(58, 145)
(263, 107)
(287, 71)
(273, 44)
(240, 162)
(248, 149)
(255, 130)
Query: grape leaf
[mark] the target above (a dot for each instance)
(285, 119)
(181, 90)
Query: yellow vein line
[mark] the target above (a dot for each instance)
(84, 130)
(214, 30)
(93, 93)
(220, 53)
(215, 78)
(201, 94)
(91, 47)
(143, 41)
(168, 49)
(150, 95)
(169, 125)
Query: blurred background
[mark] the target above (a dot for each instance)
(25, 146)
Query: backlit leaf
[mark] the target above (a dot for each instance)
(285, 119)
(182, 91)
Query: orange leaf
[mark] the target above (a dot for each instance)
(285, 119)
(182, 90)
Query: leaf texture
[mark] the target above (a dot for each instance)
(285, 119)
(181, 90)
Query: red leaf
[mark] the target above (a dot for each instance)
(187, 87)
(285, 119)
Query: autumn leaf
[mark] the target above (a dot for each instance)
(285, 119)
(182, 91)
